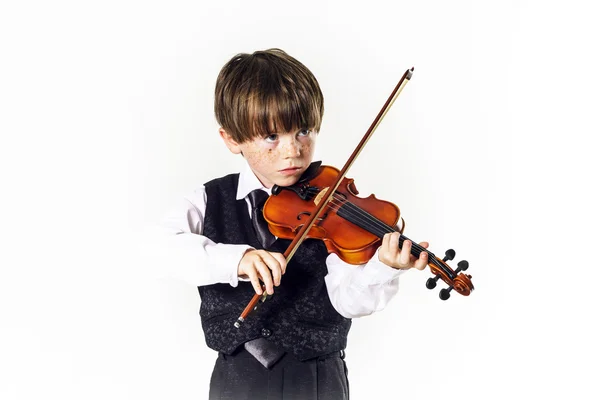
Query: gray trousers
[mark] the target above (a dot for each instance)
(241, 377)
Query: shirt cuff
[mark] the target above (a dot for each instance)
(380, 273)
(228, 256)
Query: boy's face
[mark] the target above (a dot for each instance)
(277, 159)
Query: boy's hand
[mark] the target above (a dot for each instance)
(391, 255)
(262, 265)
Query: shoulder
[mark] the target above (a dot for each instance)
(196, 197)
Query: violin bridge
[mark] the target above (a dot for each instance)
(321, 194)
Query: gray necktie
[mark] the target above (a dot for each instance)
(262, 349)
(265, 352)
(257, 200)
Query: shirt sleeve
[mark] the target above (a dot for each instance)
(360, 290)
(183, 252)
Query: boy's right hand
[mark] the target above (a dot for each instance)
(262, 265)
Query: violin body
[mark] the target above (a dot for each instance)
(350, 226)
(287, 212)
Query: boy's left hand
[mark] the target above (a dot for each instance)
(390, 254)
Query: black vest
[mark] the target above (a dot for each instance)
(299, 317)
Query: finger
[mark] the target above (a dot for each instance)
(265, 275)
(421, 263)
(420, 246)
(405, 253)
(274, 266)
(423, 260)
(384, 240)
(392, 249)
(282, 262)
(394, 245)
(383, 250)
(253, 276)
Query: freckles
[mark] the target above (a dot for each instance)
(264, 157)
(307, 148)
(270, 157)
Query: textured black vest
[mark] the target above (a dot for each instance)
(299, 317)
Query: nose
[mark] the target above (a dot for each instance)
(292, 148)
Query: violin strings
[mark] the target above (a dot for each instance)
(374, 223)
(367, 219)
(377, 225)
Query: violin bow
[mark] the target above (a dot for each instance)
(301, 235)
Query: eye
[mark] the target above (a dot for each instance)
(304, 132)
(272, 137)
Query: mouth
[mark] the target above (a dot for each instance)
(290, 171)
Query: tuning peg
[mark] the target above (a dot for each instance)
(449, 255)
(445, 293)
(432, 282)
(462, 266)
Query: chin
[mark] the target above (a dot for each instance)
(286, 181)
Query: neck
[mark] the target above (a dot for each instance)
(370, 223)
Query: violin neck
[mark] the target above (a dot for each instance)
(370, 223)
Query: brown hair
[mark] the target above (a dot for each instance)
(266, 92)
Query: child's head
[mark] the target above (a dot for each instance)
(266, 92)
(270, 107)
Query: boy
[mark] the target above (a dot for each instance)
(270, 107)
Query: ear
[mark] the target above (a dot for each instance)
(231, 144)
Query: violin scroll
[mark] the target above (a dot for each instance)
(457, 281)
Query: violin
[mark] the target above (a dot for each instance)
(324, 205)
(351, 227)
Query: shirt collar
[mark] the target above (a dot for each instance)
(247, 183)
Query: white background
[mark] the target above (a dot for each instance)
(106, 121)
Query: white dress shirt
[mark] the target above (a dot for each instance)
(354, 290)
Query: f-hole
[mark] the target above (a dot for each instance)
(317, 221)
